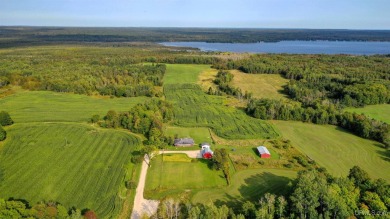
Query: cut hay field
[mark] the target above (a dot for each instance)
(73, 164)
(47, 106)
(194, 108)
(336, 149)
(198, 134)
(380, 112)
(183, 73)
(248, 185)
(260, 85)
(174, 177)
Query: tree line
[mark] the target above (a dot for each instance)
(22, 36)
(5, 120)
(348, 80)
(146, 118)
(313, 194)
(361, 125)
(15, 208)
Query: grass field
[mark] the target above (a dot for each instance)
(46, 106)
(379, 112)
(176, 177)
(336, 149)
(75, 165)
(198, 134)
(194, 108)
(248, 185)
(260, 85)
(183, 73)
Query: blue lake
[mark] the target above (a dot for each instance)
(293, 47)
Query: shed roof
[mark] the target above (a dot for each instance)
(184, 141)
(263, 150)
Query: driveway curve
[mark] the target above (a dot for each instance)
(144, 206)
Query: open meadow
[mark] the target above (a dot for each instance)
(75, 165)
(183, 73)
(248, 185)
(47, 106)
(380, 112)
(336, 149)
(178, 174)
(260, 85)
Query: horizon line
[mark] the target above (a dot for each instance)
(199, 27)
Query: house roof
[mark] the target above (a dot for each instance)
(263, 150)
(184, 141)
(207, 150)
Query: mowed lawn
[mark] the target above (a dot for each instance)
(75, 165)
(183, 73)
(198, 134)
(47, 106)
(380, 112)
(336, 149)
(260, 85)
(170, 177)
(248, 185)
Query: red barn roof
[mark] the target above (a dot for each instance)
(263, 151)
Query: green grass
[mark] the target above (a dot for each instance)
(248, 185)
(177, 177)
(75, 165)
(336, 149)
(176, 158)
(260, 85)
(194, 108)
(380, 112)
(183, 73)
(198, 134)
(46, 106)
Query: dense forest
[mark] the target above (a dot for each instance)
(321, 86)
(314, 194)
(20, 36)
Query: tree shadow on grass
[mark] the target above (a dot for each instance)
(385, 155)
(262, 183)
(232, 202)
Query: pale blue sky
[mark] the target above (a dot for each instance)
(349, 14)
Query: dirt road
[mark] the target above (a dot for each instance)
(149, 207)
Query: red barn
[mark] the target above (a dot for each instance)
(207, 153)
(263, 152)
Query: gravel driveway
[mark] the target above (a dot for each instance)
(149, 207)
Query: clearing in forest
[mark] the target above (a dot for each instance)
(336, 149)
(260, 85)
(183, 73)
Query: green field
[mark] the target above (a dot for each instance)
(175, 177)
(198, 134)
(336, 149)
(194, 108)
(379, 112)
(47, 106)
(260, 85)
(183, 73)
(75, 165)
(248, 185)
